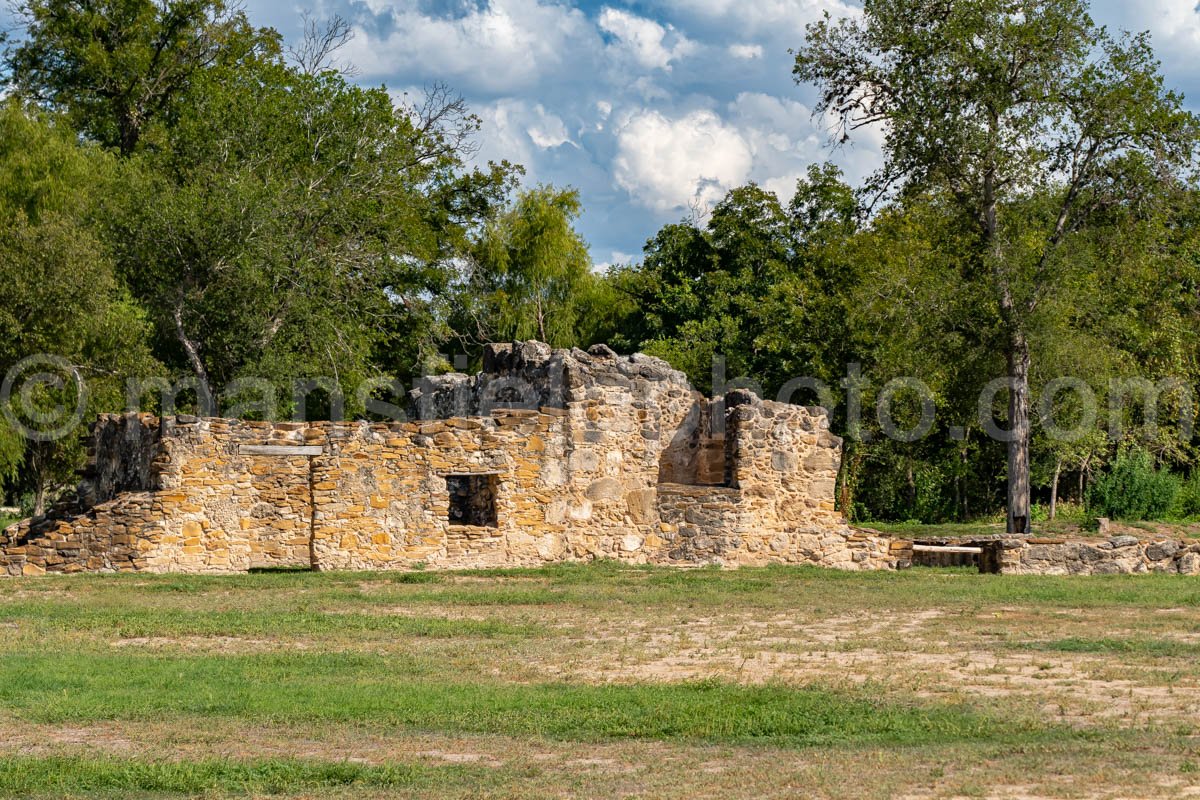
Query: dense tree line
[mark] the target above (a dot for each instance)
(186, 196)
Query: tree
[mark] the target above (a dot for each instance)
(59, 298)
(727, 289)
(116, 66)
(314, 53)
(531, 274)
(1117, 313)
(273, 219)
(290, 223)
(761, 285)
(996, 102)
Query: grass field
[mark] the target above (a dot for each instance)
(601, 681)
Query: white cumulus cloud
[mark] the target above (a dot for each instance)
(746, 52)
(768, 18)
(520, 132)
(671, 164)
(785, 139)
(616, 259)
(1176, 25)
(547, 130)
(503, 46)
(644, 39)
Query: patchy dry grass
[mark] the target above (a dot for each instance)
(601, 681)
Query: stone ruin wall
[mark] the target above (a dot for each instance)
(608, 458)
(611, 458)
(1105, 554)
(1116, 555)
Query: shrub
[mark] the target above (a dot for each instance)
(1133, 489)
(1068, 511)
(1187, 501)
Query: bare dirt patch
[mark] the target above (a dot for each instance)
(906, 653)
(220, 644)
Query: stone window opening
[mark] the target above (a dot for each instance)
(472, 499)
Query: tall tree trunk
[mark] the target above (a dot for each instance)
(966, 510)
(957, 493)
(1018, 445)
(1018, 359)
(39, 499)
(204, 396)
(1083, 467)
(128, 131)
(1054, 487)
(41, 481)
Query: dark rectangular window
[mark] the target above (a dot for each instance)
(472, 500)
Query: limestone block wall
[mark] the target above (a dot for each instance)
(230, 506)
(382, 500)
(578, 476)
(115, 518)
(108, 538)
(1114, 556)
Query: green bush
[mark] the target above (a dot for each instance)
(1133, 489)
(1068, 511)
(1187, 500)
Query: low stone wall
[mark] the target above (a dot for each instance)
(1115, 556)
(107, 538)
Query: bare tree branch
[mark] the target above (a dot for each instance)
(314, 53)
(445, 125)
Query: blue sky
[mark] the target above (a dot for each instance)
(650, 107)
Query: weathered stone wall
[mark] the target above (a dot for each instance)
(228, 506)
(578, 476)
(115, 515)
(121, 455)
(1114, 556)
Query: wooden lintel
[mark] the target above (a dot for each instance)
(945, 548)
(281, 449)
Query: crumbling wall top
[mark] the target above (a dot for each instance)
(533, 375)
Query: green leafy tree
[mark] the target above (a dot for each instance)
(117, 66)
(917, 311)
(732, 289)
(762, 285)
(995, 102)
(531, 275)
(294, 225)
(58, 297)
(910, 313)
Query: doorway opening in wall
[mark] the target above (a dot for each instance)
(473, 499)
